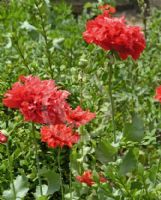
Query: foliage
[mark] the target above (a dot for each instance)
(44, 39)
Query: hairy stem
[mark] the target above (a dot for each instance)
(20, 52)
(37, 158)
(70, 178)
(59, 167)
(10, 170)
(111, 99)
(44, 34)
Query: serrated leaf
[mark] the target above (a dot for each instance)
(53, 180)
(105, 152)
(128, 164)
(21, 189)
(134, 131)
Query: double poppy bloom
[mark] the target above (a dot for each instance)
(41, 101)
(38, 101)
(112, 33)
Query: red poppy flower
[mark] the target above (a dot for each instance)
(107, 9)
(3, 138)
(59, 135)
(158, 94)
(78, 116)
(113, 34)
(38, 100)
(103, 179)
(87, 178)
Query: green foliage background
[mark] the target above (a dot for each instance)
(45, 39)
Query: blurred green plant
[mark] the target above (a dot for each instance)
(45, 39)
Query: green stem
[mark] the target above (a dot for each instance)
(15, 127)
(81, 128)
(59, 167)
(44, 34)
(37, 158)
(145, 188)
(132, 85)
(122, 186)
(10, 170)
(158, 167)
(81, 88)
(112, 100)
(19, 50)
(106, 191)
(146, 13)
(70, 178)
(133, 79)
(125, 188)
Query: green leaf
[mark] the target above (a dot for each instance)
(27, 26)
(88, 5)
(38, 193)
(134, 131)
(43, 198)
(8, 194)
(56, 44)
(105, 152)
(129, 163)
(53, 180)
(21, 189)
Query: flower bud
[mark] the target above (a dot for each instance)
(3, 138)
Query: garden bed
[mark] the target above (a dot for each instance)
(79, 103)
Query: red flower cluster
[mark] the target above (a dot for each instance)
(113, 34)
(42, 102)
(158, 94)
(3, 138)
(88, 179)
(59, 135)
